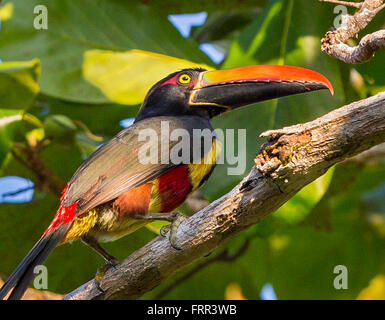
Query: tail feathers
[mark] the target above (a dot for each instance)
(22, 276)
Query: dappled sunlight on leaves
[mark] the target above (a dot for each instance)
(234, 292)
(125, 77)
(375, 290)
(6, 11)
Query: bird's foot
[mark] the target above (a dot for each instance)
(112, 263)
(177, 219)
(164, 230)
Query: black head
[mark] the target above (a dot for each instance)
(170, 96)
(209, 93)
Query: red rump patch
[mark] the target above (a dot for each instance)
(63, 214)
(173, 187)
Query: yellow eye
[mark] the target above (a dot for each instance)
(184, 78)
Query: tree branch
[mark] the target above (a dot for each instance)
(334, 42)
(292, 157)
(357, 5)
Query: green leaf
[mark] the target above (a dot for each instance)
(6, 11)
(224, 24)
(121, 76)
(58, 126)
(375, 290)
(9, 120)
(15, 126)
(79, 26)
(18, 84)
(180, 7)
(303, 268)
(296, 210)
(100, 119)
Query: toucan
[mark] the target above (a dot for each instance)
(113, 193)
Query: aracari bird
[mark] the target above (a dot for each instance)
(113, 193)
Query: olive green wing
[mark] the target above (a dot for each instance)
(132, 158)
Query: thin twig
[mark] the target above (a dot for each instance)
(87, 131)
(357, 5)
(29, 156)
(334, 42)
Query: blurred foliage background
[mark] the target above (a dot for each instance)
(67, 89)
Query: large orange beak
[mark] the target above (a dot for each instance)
(232, 88)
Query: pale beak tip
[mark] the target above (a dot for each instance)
(330, 87)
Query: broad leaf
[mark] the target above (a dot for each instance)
(100, 119)
(126, 77)
(6, 11)
(75, 27)
(9, 119)
(18, 84)
(295, 210)
(224, 25)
